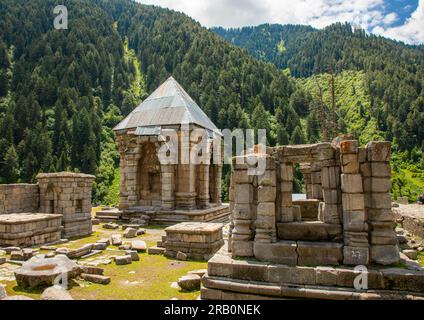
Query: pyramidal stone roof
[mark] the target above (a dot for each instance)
(170, 104)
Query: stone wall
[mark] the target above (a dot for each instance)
(19, 198)
(68, 194)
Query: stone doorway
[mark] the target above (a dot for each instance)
(149, 177)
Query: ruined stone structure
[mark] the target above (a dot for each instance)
(198, 241)
(275, 245)
(177, 190)
(58, 206)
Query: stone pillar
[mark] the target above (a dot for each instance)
(377, 185)
(285, 193)
(203, 196)
(168, 186)
(356, 250)
(316, 181)
(332, 210)
(218, 188)
(305, 169)
(185, 196)
(243, 214)
(265, 205)
(131, 170)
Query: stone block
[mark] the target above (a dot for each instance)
(379, 151)
(355, 256)
(95, 278)
(250, 270)
(139, 246)
(330, 177)
(331, 213)
(353, 202)
(220, 266)
(190, 282)
(282, 274)
(349, 146)
(352, 183)
(297, 213)
(243, 212)
(286, 187)
(241, 177)
(350, 163)
(401, 279)
(331, 196)
(354, 220)
(181, 256)
(266, 194)
(319, 253)
(285, 214)
(242, 248)
(326, 276)
(381, 169)
(269, 178)
(266, 209)
(381, 201)
(365, 169)
(283, 252)
(309, 231)
(385, 254)
(377, 185)
(286, 172)
(243, 193)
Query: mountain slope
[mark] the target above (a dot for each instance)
(61, 91)
(394, 72)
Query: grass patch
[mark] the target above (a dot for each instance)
(147, 279)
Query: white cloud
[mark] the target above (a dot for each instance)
(319, 13)
(412, 31)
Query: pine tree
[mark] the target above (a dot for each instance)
(297, 136)
(282, 136)
(11, 166)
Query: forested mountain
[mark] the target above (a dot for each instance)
(378, 83)
(61, 91)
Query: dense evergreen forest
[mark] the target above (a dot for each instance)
(61, 91)
(378, 85)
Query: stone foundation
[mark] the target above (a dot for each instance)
(247, 279)
(199, 241)
(26, 230)
(172, 217)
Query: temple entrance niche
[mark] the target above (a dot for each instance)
(149, 176)
(298, 210)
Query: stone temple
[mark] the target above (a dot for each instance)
(278, 248)
(169, 192)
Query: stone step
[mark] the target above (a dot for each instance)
(309, 231)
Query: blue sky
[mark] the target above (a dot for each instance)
(397, 19)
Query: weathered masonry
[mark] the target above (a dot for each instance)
(179, 190)
(58, 206)
(275, 245)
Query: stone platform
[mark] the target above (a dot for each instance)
(29, 229)
(248, 279)
(172, 217)
(199, 241)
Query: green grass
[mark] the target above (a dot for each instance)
(147, 279)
